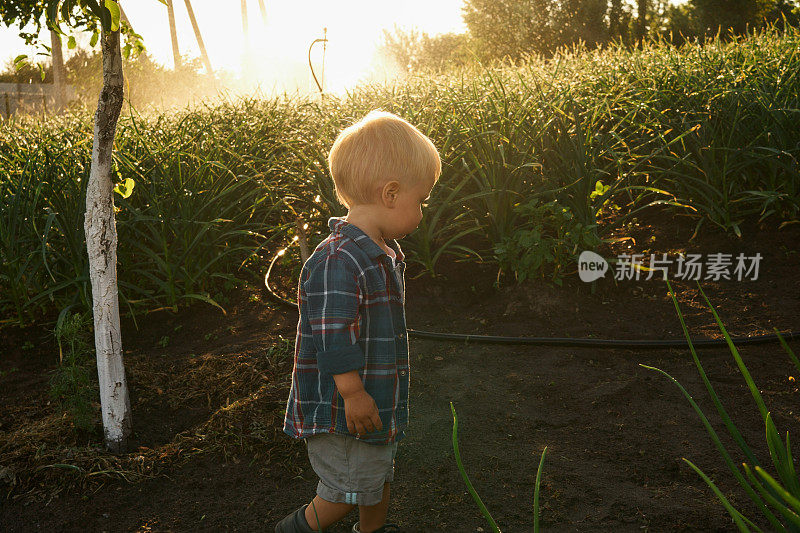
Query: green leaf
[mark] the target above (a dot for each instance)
(112, 6)
(720, 409)
(95, 36)
(61, 465)
(781, 508)
(725, 455)
(780, 456)
(206, 299)
(466, 478)
(791, 500)
(736, 515)
(52, 16)
(125, 188)
(536, 493)
(94, 7)
(71, 42)
(753, 388)
(66, 9)
(788, 350)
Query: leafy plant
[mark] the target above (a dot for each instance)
(72, 386)
(546, 243)
(783, 494)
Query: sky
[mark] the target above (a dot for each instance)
(279, 48)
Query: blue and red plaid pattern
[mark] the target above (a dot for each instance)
(352, 317)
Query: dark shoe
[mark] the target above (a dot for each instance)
(295, 523)
(385, 528)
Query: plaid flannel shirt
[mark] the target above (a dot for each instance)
(352, 317)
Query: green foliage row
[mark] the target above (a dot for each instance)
(538, 160)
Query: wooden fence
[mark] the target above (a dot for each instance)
(29, 98)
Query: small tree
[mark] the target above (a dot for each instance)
(735, 15)
(412, 50)
(514, 28)
(507, 28)
(103, 19)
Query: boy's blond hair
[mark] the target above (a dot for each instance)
(378, 148)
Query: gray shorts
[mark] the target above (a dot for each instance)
(350, 471)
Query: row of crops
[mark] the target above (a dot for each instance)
(539, 160)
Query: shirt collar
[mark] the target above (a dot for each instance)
(364, 241)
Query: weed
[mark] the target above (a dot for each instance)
(546, 243)
(73, 385)
(4, 373)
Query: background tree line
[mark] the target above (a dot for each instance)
(514, 28)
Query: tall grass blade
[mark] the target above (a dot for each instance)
(536, 493)
(788, 349)
(461, 469)
(742, 368)
(731, 427)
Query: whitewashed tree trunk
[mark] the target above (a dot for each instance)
(101, 244)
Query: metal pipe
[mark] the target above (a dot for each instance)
(323, 40)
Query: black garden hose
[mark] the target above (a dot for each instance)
(562, 341)
(601, 343)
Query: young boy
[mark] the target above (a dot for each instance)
(349, 395)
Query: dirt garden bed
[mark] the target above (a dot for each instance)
(208, 404)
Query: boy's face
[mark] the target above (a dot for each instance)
(407, 213)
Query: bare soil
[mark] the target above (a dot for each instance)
(209, 454)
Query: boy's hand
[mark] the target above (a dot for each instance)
(361, 413)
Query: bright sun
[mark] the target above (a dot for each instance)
(278, 49)
(278, 46)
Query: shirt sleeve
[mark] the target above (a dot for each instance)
(333, 298)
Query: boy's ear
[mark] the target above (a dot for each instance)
(390, 191)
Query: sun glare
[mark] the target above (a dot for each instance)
(274, 54)
(277, 49)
